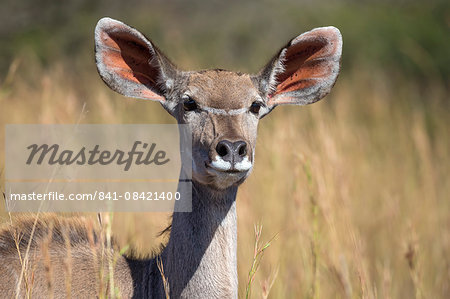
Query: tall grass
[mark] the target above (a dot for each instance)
(258, 254)
(355, 186)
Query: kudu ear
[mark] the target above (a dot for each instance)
(129, 63)
(305, 70)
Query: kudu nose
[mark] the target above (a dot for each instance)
(232, 152)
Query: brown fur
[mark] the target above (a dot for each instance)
(77, 229)
(52, 239)
(222, 89)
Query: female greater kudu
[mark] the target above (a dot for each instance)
(222, 109)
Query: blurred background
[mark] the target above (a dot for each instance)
(356, 188)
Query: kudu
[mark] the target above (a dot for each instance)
(223, 109)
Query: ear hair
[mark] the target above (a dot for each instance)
(278, 67)
(130, 64)
(303, 71)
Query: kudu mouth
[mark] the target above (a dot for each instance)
(222, 166)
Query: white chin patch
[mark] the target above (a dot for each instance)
(244, 165)
(220, 164)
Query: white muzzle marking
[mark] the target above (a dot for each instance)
(219, 164)
(244, 165)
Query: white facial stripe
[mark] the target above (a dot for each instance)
(220, 164)
(237, 111)
(244, 165)
(223, 111)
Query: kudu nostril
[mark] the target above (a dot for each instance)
(222, 148)
(231, 151)
(241, 147)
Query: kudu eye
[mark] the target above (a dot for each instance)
(189, 104)
(254, 108)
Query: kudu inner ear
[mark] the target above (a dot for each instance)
(128, 62)
(305, 70)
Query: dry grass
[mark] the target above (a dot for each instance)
(258, 254)
(165, 281)
(356, 187)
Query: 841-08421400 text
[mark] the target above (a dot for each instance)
(97, 195)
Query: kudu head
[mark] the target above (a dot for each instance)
(222, 108)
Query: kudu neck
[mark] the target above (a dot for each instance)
(200, 256)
